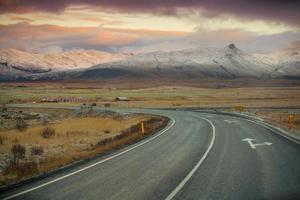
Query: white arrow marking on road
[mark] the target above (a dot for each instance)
(252, 145)
(229, 121)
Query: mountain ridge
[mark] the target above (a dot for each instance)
(16, 63)
(228, 62)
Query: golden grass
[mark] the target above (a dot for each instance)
(164, 96)
(75, 139)
(280, 118)
(206, 97)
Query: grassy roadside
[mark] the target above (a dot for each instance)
(40, 148)
(280, 118)
(164, 96)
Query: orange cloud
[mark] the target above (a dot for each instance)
(275, 10)
(26, 36)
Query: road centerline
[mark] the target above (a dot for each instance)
(196, 167)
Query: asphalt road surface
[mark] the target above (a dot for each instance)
(197, 156)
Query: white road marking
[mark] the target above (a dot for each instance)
(188, 177)
(92, 165)
(278, 131)
(252, 145)
(230, 121)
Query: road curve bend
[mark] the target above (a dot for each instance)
(197, 156)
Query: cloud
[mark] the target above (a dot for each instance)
(248, 41)
(277, 10)
(271, 42)
(50, 38)
(54, 38)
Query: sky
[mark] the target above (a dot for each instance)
(257, 26)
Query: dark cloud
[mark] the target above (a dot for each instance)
(283, 11)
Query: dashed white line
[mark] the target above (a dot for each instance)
(92, 165)
(188, 177)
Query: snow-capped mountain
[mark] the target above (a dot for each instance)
(288, 62)
(15, 63)
(225, 63)
(228, 62)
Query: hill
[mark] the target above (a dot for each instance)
(228, 62)
(16, 63)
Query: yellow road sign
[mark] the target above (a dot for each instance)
(291, 119)
(142, 128)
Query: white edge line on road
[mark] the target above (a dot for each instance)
(273, 130)
(92, 165)
(188, 177)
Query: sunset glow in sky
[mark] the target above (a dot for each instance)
(141, 26)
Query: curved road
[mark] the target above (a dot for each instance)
(198, 156)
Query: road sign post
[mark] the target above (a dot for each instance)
(239, 108)
(142, 128)
(291, 120)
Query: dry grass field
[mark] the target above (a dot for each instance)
(280, 118)
(162, 96)
(78, 137)
(40, 148)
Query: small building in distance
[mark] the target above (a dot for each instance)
(122, 99)
(61, 99)
(49, 100)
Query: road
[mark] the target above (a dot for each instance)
(198, 156)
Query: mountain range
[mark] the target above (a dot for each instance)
(228, 62)
(15, 64)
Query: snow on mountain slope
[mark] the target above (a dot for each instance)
(16, 63)
(288, 62)
(204, 62)
(23, 61)
(227, 62)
